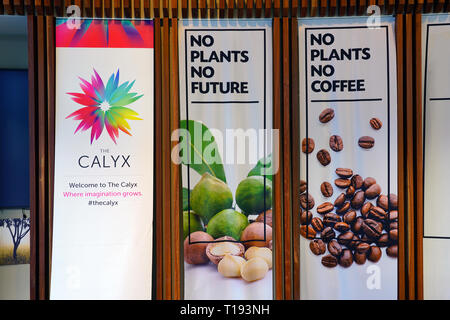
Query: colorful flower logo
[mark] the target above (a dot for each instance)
(104, 106)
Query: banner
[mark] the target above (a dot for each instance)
(103, 192)
(436, 103)
(226, 150)
(348, 163)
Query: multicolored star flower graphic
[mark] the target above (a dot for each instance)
(104, 106)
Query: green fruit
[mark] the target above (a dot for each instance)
(210, 196)
(194, 225)
(250, 195)
(227, 223)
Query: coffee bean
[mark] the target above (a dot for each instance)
(393, 215)
(383, 241)
(393, 234)
(307, 232)
(372, 228)
(326, 115)
(340, 200)
(358, 200)
(306, 202)
(305, 217)
(342, 183)
(327, 234)
(357, 181)
(365, 209)
(329, 261)
(382, 202)
(393, 201)
(357, 225)
(392, 251)
(341, 227)
(327, 189)
(354, 242)
(373, 191)
(334, 248)
(346, 259)
(350, 192)
(336, 143)
(360, 258)
(393, 225)
(375, 123)
(345, 238)
(374, 254)
(362, 247)
(344, 173)
(377, 213)
(324, 157)
(303, 186)
(366, 239)
(368, 182)
(325, 208)
(317, 247)
(330, 219)
(317, 224)
(344, 208)
(366, 142)
(308, 145)
(349, 217)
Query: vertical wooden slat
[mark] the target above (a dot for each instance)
(439, 6)
(202, 8)
(277, 239)
(410, 6)
(342, 8)
(258, 8)
(400, 6)
(304, 8)
(156, 9)
(221, 9)
(249, 9)
(419, 6)
(230, 9)
(212, 9)
(240, 8)
(351, 7)
(108, 8)
(7, 6)
(314, 8)
(88, 8)
(98, 8)
(19, 7)
(323, 8)
(333, 8)
(174, 8)
(127, 8)
(194, 8)
(276, 8)
(390, 6)
(146, 9)
(29, 7)
(295, 5)
(165, 8)
(158, 162)
(285, 8)
(362, 7)
(184, 9)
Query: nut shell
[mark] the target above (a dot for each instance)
(195, 253)
(218, 249)
(255, 231)
(260, 218)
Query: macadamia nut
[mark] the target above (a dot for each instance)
(254, 269)
(230, 266)
(264, 253)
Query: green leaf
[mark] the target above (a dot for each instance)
(199, 149)
(186, 195)
(263, 168)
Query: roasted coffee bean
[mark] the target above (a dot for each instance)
(334, 248)
(357, 181)
(383, 241)
(341, 226)
(326, 115)
(336, 143)
(374, 254)
(340, 200)
(373, 191)
(368, 182)
(345, 238)
(392, 251)
(324, 157)
(344, 173)
(377, 213)
(393, 201)
(382, 202)
(358, 200)
(349, 217)
(393, 215)
(366, 239)
(366, 142)
(306, 202)
(393, 225)
(354, 242)
(375, 123)
(372, 228)
(327, 189)
(317, 224)
(330, 219)
(307, 232)
(308, 145)
(343, 209)
(365, 209)
(342, 183)
(357, 225)
(350, 192)
(329, 261)
(360, 258)
(317, 247)
(306, 217)
(303, 186)
(327, 234)
(346, 259)
(393, 234)
(325, 208)
(362, 247)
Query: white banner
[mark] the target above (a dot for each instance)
(436, 103)
(103, 192)
(348, 118)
